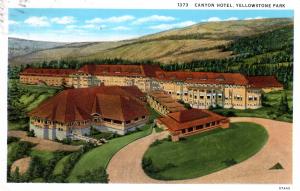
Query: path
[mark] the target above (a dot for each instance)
(43, 144)
(22, 164)
(125, 166)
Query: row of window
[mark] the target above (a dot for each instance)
(207, 125)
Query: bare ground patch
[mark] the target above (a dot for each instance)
(22, 164)
(43, 144)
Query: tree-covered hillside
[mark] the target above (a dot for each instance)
(270, 53)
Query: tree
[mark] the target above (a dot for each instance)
(283, 105)
(94, 176)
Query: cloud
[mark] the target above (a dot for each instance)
(121, 28)
(214, 19)
(37, 21)
(217, 19)
(231, 19)
(154, 18)
(87, 26)
(13, 22)
(63, 20)
(250, 18)
(170, 26)
(110, 19)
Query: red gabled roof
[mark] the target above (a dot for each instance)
(203, 77)
(134, 90)
(47, 72)
(263, 81)
(120, 70)
(189, 118)
(110, 102)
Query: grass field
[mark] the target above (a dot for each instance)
(205, 153)
(45, 156)
(153, 114)
(100, 156)
(269, 111)
(35, 95)
(60, 165)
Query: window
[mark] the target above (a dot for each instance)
(195, 97)
(117, 121)
(207, 124)
(143, 117)
(127, 122)
(213, 123)
(107, 120)
(201, 97)
(199, 127)
(208, 97)
(136, 119)
(183, 131)
(190, 129)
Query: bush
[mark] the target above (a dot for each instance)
(229, 162)
(31, 133)
(36, 168)
(94, 176)
(74, 157)
(12, 139)
(156, 142)
(20, 150)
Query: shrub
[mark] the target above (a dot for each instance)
(31, 133)
(229, 162)
(20, 150)
(36, 168)
(148, 166)
(156, 142)
(94, 176)
(12, 139)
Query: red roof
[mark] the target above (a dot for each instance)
(189, 118)
(120, 70)
(263, 81)
(112, 102)
(203, 77)
(47, 72)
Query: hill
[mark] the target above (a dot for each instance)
(198, 42)
(19, 47)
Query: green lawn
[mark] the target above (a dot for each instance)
(205, 153)
(45, 156)
(153, 114)
(269, 111)
(100, 156)
(17, 125)
(60, 165)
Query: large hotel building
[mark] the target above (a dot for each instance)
(199, 89)
(112, 98)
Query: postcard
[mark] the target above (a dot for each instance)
(182, 94)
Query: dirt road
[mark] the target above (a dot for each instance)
(43, 144)
(125, 166)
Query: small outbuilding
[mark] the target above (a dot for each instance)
(189, 122)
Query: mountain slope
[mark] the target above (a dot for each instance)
(18, 47)
(197, 42)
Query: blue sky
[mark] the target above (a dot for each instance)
(77, 25)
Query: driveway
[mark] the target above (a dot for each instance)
(125, 166)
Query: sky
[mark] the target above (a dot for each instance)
(78, 25)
